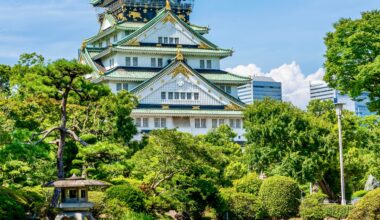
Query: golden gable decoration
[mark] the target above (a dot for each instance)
(233, 107)
(133, 42)
(181, 70)
(169, 18)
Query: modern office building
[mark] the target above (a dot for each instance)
(151, 49)
(260, 87)
(321, 91)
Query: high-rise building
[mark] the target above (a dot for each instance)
(321, 91)
(151, 49)
(260, 87)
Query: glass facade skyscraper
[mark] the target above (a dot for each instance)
(321, 91)
(260, 87)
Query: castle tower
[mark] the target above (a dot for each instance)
(158, 55)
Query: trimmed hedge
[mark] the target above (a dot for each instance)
(368, 208)
(131, 196)
(312, 208)
(248, 184)
(280, 197)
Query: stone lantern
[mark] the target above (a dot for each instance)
(74, 202)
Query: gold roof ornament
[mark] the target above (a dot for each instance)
(179, 56)
(168, 7)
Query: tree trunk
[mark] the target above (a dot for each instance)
(61, 146)
(326, 189)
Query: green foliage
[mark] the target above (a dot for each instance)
(131, 196)
(312, 208)
(98, 199)
(248, 184)
(11, 205)
(136, 216)
(284, 140)
(359, 194)
(280, 197)
(368, 207)
(5, 73)
(353, 56)
(241, 205)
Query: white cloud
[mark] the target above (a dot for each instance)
(295, 84)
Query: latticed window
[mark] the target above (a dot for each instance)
(238, 123)
(163, 95)
(115, 38)
(176, 40)
(209, 64)
(160, 62)
(160, 40)
(214, 123)
(176, 95)
(128, 61)
(138, 122)
(170, 95)
(189, 96)
(200, 123)
(166, 40)
(183, 95)
(145, 122)
(135, 61)
(202, 64)
(196, 96)
(232, 123)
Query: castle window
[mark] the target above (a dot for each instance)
(138, 122)
(183, 95)
(153, 62)
(176, 40)
(121, 86)
(228, 89)
(170, 95)
(115, 38)
(232, 123)
(112, 62)
(108, 42)
(128, 61)
(214, 123)
(163, 95)
(145, 122)
(196, 96)
(221, 122)
(189, 96)
(160, 40)
(160, 62)
(202, 64)
(176, 95)
(135, 61)
(200, 123)
(209, 64)
(160, 122)
(166, 40)
(238, 123)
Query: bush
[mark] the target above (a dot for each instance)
(359, 194)
(11, 205)
(98, 198)
(241, 205)
(131, 196)
(280, 197)
(312, 208)
(336, 211)
(137, 216)
(248, 184)
(368, 208)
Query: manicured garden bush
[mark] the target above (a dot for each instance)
(312, 208)
(368, 208)
(131, 196)
(280, 197)
(241, 205)
(248, 184)
(98, 198)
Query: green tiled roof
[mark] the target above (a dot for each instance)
(165, 51)
(177, 112)
(121, 74)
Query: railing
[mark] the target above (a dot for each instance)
(182, 4)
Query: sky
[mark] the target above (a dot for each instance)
(277, 38)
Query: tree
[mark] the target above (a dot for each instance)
(284, 140)
(62, 88)
(353, 57)
(5, 72)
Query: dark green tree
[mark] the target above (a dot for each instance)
(353, 57)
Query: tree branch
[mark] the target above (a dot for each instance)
(46, 134)
(76, 138)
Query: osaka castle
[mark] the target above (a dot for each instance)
(151, 49)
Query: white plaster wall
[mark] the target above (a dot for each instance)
(207, 95)
(168, 29)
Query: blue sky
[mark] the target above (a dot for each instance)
(267, 35)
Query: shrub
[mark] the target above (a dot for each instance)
(98, 198)
(11, 205)
(336, 211)
(311, 208)
(137, 216)
(280, 197)
(131, 196)
(248, 184)
(241, 205)
(359, 194)
(368, 207)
